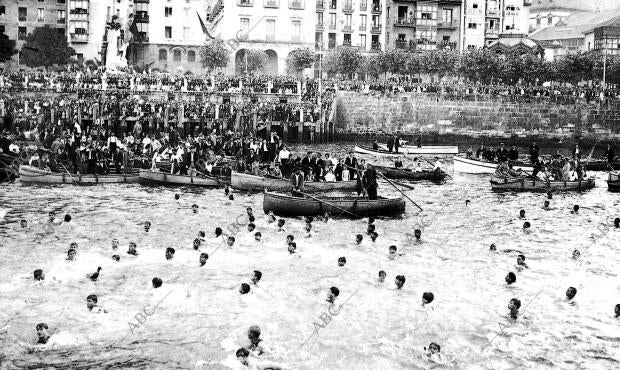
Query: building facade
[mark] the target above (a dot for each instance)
(605, 37)
(18, 18)
(485, 20)
(424, 25)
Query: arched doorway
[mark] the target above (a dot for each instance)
(240, 62)
(271, 68)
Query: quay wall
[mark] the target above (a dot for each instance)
(357, 113)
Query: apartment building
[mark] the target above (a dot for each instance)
(424, 25)
(18, 18)
(484, 21)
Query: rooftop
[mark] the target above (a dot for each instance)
(579, 5)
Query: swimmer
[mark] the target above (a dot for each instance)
(39, 275)
(326, 217)
(95, 275)
(249, 211)
(116, 257)
(243, 356)
(292, 247)
(281, 227)
(418, 234)
(218, 232)
(510, 278)
(467, 201)
(258, 236)
(526, 227)
(371, 220)
(617, 310)
(392, 251)
(332, 294)
(231, 197)
(370, 229)
(546, 205)
(271, 218)
(251, 227)
(374, 236)
(114, 244)
(382, 276)
(244, 289)
(227, 190)
(427, 297)
(255, 342)
(201, 235)
(617, 222)
(521, 261)
(342, 261)
(91, 304)
(195, 208)
(576, 254)
(157, 282)
(203, 259)
(230, 241)
(170, 253)
(493, 247)
(514, 306)
(571, 292)
(177, 196)
(308, 230)
(433, 351)
(71, 254)
(575, 209)
(147, 226)
(196, 244)
(23, 223)
(252, 219)
(289, 239)
(256, 276)
(132, 249)
(399, 281)
(522, 213)
(549, 195)
(42, 334)
(358, 239)
(51, 217)
(73, 245)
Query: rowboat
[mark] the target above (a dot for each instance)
(407, 174)
(163, 178)
(536, 185)
(34, 175)
(288, 205)
(428, 150)
(448, 150)
(613, 183)
(471, 165)
(244, 181)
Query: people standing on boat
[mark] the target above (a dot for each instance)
(396, 143)
(490, 154)
(469, 153)
(375, 145)
(534, 152)
(297, 182)
(419, 141)
(339, 170)
(351, 164)
(390, 143)
(370, 182)
(610, 154)
(437, 165)
(481, 152)
(576, 152)
(502, 153)
(513, 153)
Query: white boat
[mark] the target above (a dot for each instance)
(470, 165)
(408, 150)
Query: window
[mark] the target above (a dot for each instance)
(191, 56)
(550, 20)
(332, 4)
(426, 14)
(186, 32)
(40, 15)
(80, 57)
(347, 19)
(60, 31)
(41, 1)
(347, 39)
(363, 41)
(271, 29)
(319, 19)
(332, 20)
(318, 40)
(2, 10)
(60, 16)
(60, 1)
(475, 6)
(2, 29)
(296, 36)
(472, 26)
(244, 25)
(22, 33)
(168, 32)
(22, 14)
(492, 24)
(447, 16)
(363, 21)
(331, 40)
(163, 54)
(176, 56)
(168, 11)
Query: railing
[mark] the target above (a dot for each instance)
(79, 37)
(346, 43)
(61, 20)
(450, 45)
(295, 4)
(493, 12)
(78, 11)
(271, 4)
(332, 26)
(320, 4)
(22, 36)
(492, 31)
(376, 8)
(405, 45)
(375, 29)
(452, 24)
(245, 2)
(320, 26)
(424, 41)
(347, 28)
(362, 27)
(405, 21)
(143, 18)
(363, 7)
(376, 47)
(21, 18)
(347, 7)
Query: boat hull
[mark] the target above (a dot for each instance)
(535, 185)
(468, 165)
(33, 175)
(163, 178)
(244, 181)
(430, 150)
(395, 173)
(287, 205)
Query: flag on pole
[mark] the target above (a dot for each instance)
(202, 25)
(134, 28)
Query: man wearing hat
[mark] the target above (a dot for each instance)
(502, 153)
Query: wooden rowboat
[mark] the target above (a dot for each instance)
(288, 205)
(407, 174)
(613, 183)
(430, 150)
(472, 165)
(34, 175)
(163, 178)
(535, 185)
(244, 181)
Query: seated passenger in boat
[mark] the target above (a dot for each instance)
(329, 176)
(398, 163)
(418, 167)
(502, 170)
(514, 173)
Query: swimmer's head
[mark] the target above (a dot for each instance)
(370, 228)
(280, 222)
(526, 225)
(251, 218)
(417, 233)
(23, 223)
(309, 219)
(91, 301)
(522, 213)
(617, 222)
(226, 190)
(434, 348)
(308, 227)
(71, 254)
(399, 281)
(510, 278)
(342, 261)
(272, 218)
(114, 243)
(116, 257)
(382, 276)
(231, 197)
(196, 243)
(549, 195)
(258, 236)
(203, 258)
(218, 231)
(73, 245)
(39, 275)
(617, 310)
(493, 247)
(157, 282)
(242, 356)
(251, 227)
(67, 218)
(169, 253)
(177, 196)
(42, 333)
(392, 249)
(147, 226)
(289, 238)
(514, 304)
(244, 289)
(332, 294)
(520, 259)
(254, 333)
(571, 292)
(292, 246)
(374, 236)
(249, 211)
(256, 276)
(576, 254)
(467, 202)
(230, 241)
(546, 204)
(371, 220)
(201, 234)
(52, 216)
(195, 208)
(359, 238)
(427, 297)
(576, 208)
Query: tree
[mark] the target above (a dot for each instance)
(480, 65)
(214, 54)
(254, 59)
(343, 60)
(300, 59)
(576, 67)
(46, 47)
(7, 48)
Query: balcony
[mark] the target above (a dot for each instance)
(271, 4)
(492, 12)
(405, 45)
(296, 4)
(141, 18)
(320, 26)
(346, 43)
(404, 22)
(448, 25)
(375, 29)
(61, 21)
(424, 41)
(347, 28)
(318, 45)
(22, 18)
(245, 2)
(375, 48)
(447, 45)
(79, 37)
(331, 45)
(363, 7)
(376, 8)
(362, 27)
(78, 11)
(141, 1)
(347, 7)
(22, 36)
(332, 26)
(320, 5)
(492, 32)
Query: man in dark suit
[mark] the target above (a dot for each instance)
(351, 164)
(317, 169)
(305, 163)
(297, 182)
(534, 152)
(189, 160)
(610, 154)
(370, 182)
(390, 143)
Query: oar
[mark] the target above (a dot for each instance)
(405, 195)
(65, 168)
(328, 203)
(429, 162)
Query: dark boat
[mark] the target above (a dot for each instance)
(288, 205)
(245, 181)
(537, 185)
(163, 178)
(34, 175)
(408, 174)
(613, 183)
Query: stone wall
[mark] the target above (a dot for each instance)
(408, 112)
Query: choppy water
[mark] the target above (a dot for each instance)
(201, 315)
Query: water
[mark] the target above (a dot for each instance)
(201, 315)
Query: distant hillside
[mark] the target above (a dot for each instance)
(587, 5)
